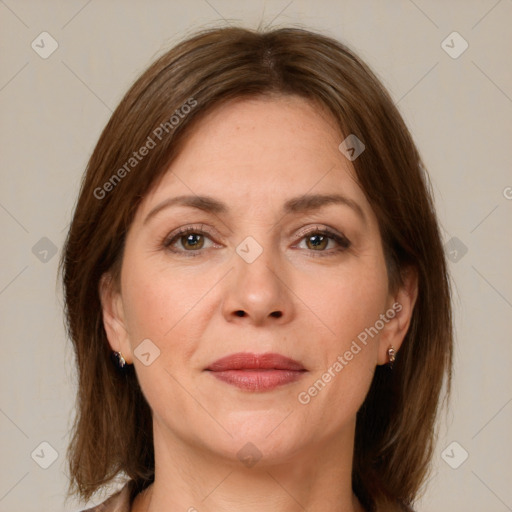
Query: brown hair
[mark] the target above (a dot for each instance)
(395, 430)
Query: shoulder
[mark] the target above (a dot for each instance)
(121, 501)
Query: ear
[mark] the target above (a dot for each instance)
(113, 317)
(399, 312)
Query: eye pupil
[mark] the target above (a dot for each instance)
(191, 242)
(320, 239)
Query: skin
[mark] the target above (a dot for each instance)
(254, 155)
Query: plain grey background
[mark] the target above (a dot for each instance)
(456, 100)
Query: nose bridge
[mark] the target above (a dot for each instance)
(257, 289)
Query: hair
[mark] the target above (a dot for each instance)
(395, 426)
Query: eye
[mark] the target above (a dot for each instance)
(318, 239)
(191, 240)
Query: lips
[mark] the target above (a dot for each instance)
(256, 372)
(248, 361)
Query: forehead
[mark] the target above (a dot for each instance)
(260, 151)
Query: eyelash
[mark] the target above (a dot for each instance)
(343, 242)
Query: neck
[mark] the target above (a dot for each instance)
(192, 478)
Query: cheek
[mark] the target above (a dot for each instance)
(351, 300)
(346, 364)
(171, 308)
(146, 310)
(156, 299)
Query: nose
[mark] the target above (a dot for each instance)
(257, 293)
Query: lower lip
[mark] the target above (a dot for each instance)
(258, 380)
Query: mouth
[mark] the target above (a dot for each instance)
(256, 372)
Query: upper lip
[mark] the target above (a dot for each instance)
(250, 361)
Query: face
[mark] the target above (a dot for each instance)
(265, 264)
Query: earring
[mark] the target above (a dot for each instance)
(391, 356)
(118, 360)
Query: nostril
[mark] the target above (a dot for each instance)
(276, 314)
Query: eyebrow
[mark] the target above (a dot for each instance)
(300, 204)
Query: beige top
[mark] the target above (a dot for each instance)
(121, 501)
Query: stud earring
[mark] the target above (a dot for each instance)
(118, 360)
(391, 356)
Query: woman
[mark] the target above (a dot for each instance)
(255, 244)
